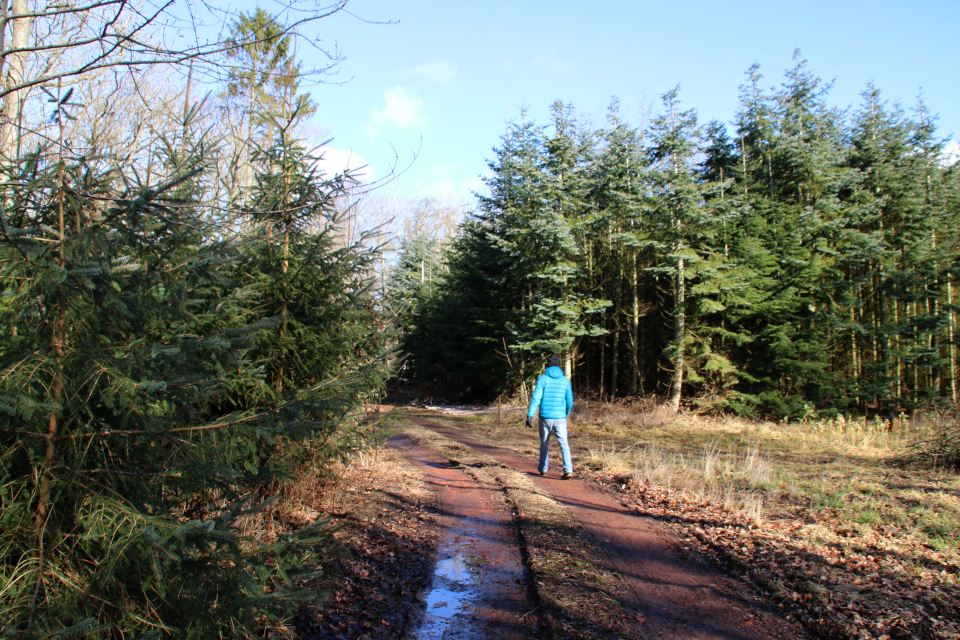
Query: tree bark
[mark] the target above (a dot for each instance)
(614, 357)
(952, 348)
(634, 325)
(12, 66)
(679, 320)
(603, 344)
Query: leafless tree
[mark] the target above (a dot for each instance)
(59, 44)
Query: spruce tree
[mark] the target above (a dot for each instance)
(789, 184)
(414, 282)
(530, 218)
(125, 483)
(692, 264)
(805, 263)
(565, 311)
(725, 290)
(620, 199)
(317, 285)
(324, 354)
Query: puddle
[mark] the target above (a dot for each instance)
(456, 585)
(453, 584)
(477, 591)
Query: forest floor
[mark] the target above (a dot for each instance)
(672, 528)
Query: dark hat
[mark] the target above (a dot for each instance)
(553, 361)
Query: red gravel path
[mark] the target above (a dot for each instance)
(477, 524)
(681, 598)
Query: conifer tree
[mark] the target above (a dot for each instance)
(262, 84)
(880, 142)
(461, 340)
(565, 310)
(804, 264)
(414, 282)
(530, 218)
(728, 283)
(790, 166)
(319, 288)
(325, 355)
(158, 374)
(124, 480)
(621, 205)
(686, 237)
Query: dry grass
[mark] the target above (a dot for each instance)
(762, 470)
(735, 481)
(819, 513)
(317, 489)
(839, 463)
(767, 495)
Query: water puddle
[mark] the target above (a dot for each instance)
(478, 588)
(456, 585)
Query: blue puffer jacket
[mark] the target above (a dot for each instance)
(553, 395)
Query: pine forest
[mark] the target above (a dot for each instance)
(798, 260)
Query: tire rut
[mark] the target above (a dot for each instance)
(676, 597)
(480, 586)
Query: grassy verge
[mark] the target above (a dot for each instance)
(574, 597)
(815, 513)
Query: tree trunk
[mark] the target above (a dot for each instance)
(885, 343)
(897, 380)
(58, 338)
(57, 343)
(854, 354)
(915, 310)
(12, 67)
(614, 357)
(936, 370)
(285, 290)
(952, 349)
(679, 320)
(603, 344)
(634, 325)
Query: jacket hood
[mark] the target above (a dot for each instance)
(554, 372)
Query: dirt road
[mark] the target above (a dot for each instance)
(479, 588)
(663, 593)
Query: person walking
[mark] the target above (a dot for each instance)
(553, 395)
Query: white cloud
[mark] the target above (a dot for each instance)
(339, 160)
(400, 110)
(439, 184)
(440, 72)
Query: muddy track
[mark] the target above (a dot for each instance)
(673, 596)
(480, 587)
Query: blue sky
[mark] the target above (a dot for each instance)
(440, 79)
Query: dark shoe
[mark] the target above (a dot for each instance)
(566, 475)
(543, 473)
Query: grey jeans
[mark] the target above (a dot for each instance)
(559, 429)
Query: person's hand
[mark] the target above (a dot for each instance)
(530, 422)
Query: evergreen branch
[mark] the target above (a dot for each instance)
(295, 401)
(138, 474)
